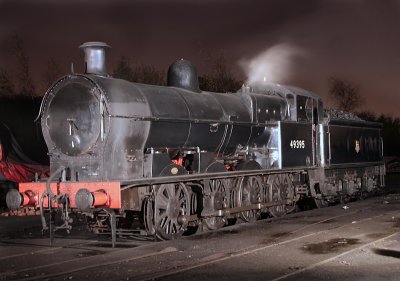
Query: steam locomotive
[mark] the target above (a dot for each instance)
(176, 158)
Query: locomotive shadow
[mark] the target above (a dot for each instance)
(387, 253)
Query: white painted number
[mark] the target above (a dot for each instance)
(297, 144)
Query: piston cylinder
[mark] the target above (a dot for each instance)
(85, 200)
(16, 200)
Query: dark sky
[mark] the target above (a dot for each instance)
(302, 43)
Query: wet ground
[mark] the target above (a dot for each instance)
(356, 242)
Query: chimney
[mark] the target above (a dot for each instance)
(95, 57)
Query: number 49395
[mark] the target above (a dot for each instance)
(297, 144)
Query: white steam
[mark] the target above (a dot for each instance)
(272, 65)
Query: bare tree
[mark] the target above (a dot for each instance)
(345, 94)
(53, 72)
(367, 116)
(142, 73)
(6, 85)
(390, 134)
(24, 80)
(123, 70)
(221, 78)
(148, 74)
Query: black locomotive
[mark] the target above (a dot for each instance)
(177, 157)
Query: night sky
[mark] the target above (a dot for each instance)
(301, 43)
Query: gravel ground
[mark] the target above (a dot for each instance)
(359, 241)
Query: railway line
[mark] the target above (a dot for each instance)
(287, 248)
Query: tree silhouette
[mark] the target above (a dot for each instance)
(345, 94)
(221, 78)
(146, 74)
(24, 80)
(390, 131)
(123, 70)
(6, 86)
(390, 135)
(53, 72)
(367, 116)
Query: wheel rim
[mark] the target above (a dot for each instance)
(249, 192)
(321, 203)
(281, 188)
(216, 199)
(171, 202)
(148, 216)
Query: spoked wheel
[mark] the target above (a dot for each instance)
(369, 183)
(148, 216)
(281, 188)
(249, 192)
(171, 202)
(344, 197)
(321, 203)
(361, 193)
(215, 199)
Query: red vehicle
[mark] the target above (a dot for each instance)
(23, 153)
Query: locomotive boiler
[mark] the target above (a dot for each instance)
(176, 158)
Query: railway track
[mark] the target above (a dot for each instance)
(26, 259)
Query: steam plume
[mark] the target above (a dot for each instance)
(272, 65)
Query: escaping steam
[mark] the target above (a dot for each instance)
(272, 65)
